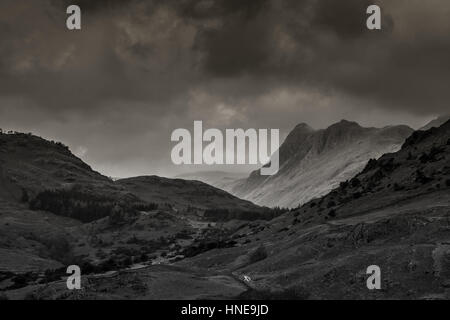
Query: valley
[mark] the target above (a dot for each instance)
(162, 244)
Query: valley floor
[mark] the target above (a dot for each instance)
(282, 259)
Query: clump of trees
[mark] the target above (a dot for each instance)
(355, 182)
(432, 155)
(73, 204)
(145, 206)
(220, 214)
(332, 213)
(421, 177)
(84, 206)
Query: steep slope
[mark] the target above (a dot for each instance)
(313, 162)
(421, 166)
(32, 164)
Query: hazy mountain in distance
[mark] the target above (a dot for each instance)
(436, 122)
(313, 162)
(219, 179)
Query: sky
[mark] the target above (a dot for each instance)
(137, 70)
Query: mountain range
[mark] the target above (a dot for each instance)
(314, 162)
(393, 213)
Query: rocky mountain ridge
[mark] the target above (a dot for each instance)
(313, 162)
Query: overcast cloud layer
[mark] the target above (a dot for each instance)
(115, 90)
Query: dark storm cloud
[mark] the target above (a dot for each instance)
(325, 43)
(158, 64)
(285, 42)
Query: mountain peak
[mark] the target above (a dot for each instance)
(303, 127)
(313, 162)
(298, 134)
(345, 124)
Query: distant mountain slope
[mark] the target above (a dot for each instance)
(183, 194)
(436, 122)
(313, 162)
(219, 179)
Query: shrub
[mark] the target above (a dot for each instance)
(410, 156)
(424, 158)
(357, 195)
(59, 248)
(398, 187)
(388, 164)
(422, 178)
(432, 155)
(127, 261)
(25, 196)
(344, 184)
(144, 257)
(3, 297)
(259, 254)
(355, 182)
(447, 182)
(371, 164)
